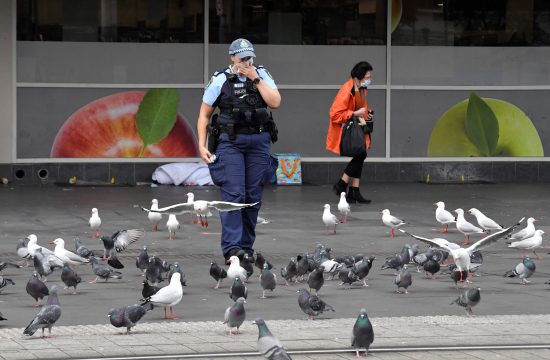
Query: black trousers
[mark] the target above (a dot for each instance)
(355, 166)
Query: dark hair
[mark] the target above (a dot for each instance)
(360, 69)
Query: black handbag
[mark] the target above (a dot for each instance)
(352, 142)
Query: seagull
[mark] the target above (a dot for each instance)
(343, 207)
(172, 225)
(201, 208)
(236, 270)
(169, 295)
(443, 216)
(465, 227)
(191, 200)
(329, 219)
(531, 243)
(32, 246)
(483, 221)
(154, 217)
(65, 255)
(527, 232)
(391, 221)
(462, 255)
(95, 223)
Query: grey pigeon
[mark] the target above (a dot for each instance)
(268, 280)
(4, 264)
(315, 280)
(142, 260)
(176, 268)
(46, 264)
(148, 290)
(235, 314)
(458, 275)
(114, 262)
(245, 263)
(413, 250)
(312, 305)
(70, 278)
(346, 275)
(120, 240)
(36, 288)
(82, 250)
(396, 262)
(431, 265)
(128, 316)
(238, 289)
(302, 266)
(23, 251)
(260, 261)
(419, 260)
(362, 268)
(468, 299)
(2, 318)
(5, 282)
(289, 272)
(103, 271)
(47, 316)
(523, 270)
(217, 273)
(403, 279)
(268, 345)
(154, 270)
(363, 333)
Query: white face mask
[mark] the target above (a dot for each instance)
(365, 83)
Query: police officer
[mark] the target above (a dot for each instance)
(242, 161)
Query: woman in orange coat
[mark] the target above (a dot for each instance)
(351, 100)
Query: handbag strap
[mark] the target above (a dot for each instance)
(285, 171)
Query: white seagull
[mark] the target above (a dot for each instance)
(391, 221)
(343, 207)
(527, 232)
(32, 246)
(169, 295)
(95, 223)
(65, 255)
(329, 219)
(154, 217)
(443, 216)
(462, 255)
(236, 270)
(531, 243)
(483, 221)
(466, 227)
(172, 225)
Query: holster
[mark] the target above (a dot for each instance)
(272, 128)
(213, 131)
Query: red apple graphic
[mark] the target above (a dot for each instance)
(106, 128)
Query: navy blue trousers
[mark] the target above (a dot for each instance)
(241, 169)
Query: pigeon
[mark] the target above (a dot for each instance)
(114, 262)
(413, 250)
(148, 290)
(483, 221)
(289, 272)
(142, 260)
(312, 305)
(391, 221)
(103, 271)
(172, 225)
(397, 261)
(363, 333)
(457, 275)
(443, 216)
(315, 280)
(23, 251)
(201, 208)
(169, 295)
(154, 270)
(461, 255)
(235, 315)
(82, 250)
(268, 345)
(2, 318)
(176, 268)
(403, 279)
(527, 232)
(69, 277)
(128, 316)
(347, 276)
(530, 243)
(328, 265)
(217, 273)
(36, 288)
(468, 299)
(47, 316)
(431, 265)
(268, 280)
(65, 255)
(5, 282)
(419, 260)
(32, 246)
(119, 241)
(362, 268)
(343, 207)
(466, 227)
(245, 263)
(329, 219)
(235, 269)
(4, 264)
(238, 290)
(154, 217)
(95, 223)
(260, 261)
(302, 266)
(523, 270)
(46, 264)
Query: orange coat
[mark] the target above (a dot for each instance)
(342, 110)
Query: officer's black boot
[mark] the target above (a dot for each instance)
(354, 196)
(340, 187)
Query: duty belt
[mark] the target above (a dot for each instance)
(243, 129)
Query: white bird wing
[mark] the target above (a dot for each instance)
(74, 257)
(396, 221)
(123, 238)
(432, 242)
(228, 206)
(443, 216)
(490, 239)
(176, 209)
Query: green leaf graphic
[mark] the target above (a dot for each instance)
(156, 115)
(481, 125)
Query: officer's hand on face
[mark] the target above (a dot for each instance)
(248, 70)
(205, 154)
(360, 112)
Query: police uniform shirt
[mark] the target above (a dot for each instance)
(214, 87)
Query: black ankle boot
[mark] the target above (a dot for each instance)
(354, 196)
(339, 187)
